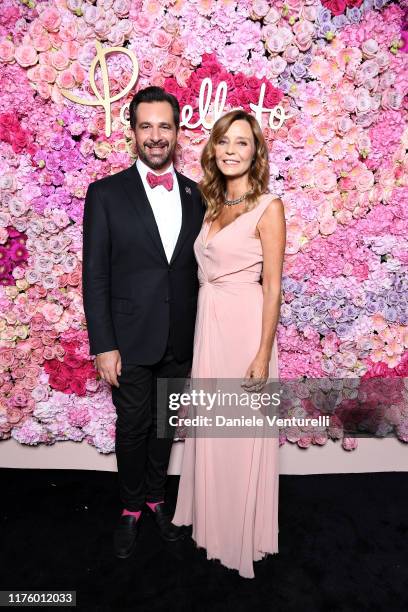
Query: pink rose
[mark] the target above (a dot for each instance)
(305, 441)
(48, 353)
(44, 90)
(121, 7)
(116, 37)
(325, 180)
(369, 48)
(364, 180)
(158, 80)
(50, 19)
(349, 444)
(78, 72)
(259, 8)
(42, 42)
(19, 397)
(303, 40)
(291, 54)
(146, 66)
(29, 382)
(328, 225)
(74, 278)
(6, 358)
(92, 385)
(14, 415)
(309, 12)
(59, 60)
(161, 39)
(26, 55)
(70, 49)
(182, 76)
(7, 50)
(177, 47)
(66, 79)
(39, 393)
(18, 372)
(363, 101)
(391, 99)
(47, 73)
(171, 65)
(52, 312)
(275, 41)
(346, 183)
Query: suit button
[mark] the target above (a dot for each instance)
(167, 300)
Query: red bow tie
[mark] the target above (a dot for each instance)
(160, 179)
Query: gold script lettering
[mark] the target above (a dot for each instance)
(204, 97)
(105, 100)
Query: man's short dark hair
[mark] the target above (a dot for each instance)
(154, 94)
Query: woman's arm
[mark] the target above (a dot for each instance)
(272, 232)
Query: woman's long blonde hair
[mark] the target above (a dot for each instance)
(212, 185)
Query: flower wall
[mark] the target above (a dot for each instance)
(339, 162)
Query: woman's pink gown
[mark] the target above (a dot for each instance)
(228, 487)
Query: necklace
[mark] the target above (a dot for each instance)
(237, 201)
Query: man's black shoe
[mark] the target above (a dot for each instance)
(162, 518)
(125, 535)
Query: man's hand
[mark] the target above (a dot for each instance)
(109, 366)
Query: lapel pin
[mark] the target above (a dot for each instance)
(188, 190)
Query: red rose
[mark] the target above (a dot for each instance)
(195, 83)
(57, 382)
(66, 371)
(229, 79)
(336, 7)
(272, 96)
(171, 85)
(72, 361)
(233, 99)
(8, 121)
(253, 95)
(202, 73)
(253, 83)
(354, 3)
(402, 368)
(188, 97)
(52, 366)
(18, 144)
(243, 97)
(239, 79)
(78, 387)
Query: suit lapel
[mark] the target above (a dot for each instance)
(186, 207)
(137, 195)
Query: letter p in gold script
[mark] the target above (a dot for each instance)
(106, 100)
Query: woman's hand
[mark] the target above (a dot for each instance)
(257, 374)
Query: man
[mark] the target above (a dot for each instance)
(140, 291)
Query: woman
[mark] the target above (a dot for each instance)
(228, 487)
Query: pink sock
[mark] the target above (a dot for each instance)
(152, 505)
(136, 514)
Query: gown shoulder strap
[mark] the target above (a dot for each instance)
(264, 201)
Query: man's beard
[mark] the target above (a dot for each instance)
(154, 164)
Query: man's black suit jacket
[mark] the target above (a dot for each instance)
(133, 297)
